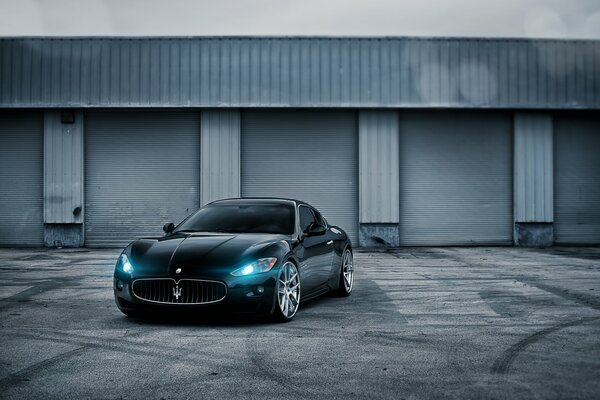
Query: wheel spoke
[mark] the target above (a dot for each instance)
(347, 271)
(288, 290)
(291, 306)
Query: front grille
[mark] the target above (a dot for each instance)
(184, 291)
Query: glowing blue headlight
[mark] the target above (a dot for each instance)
(258, 266)
(124, 264)
(247, 270)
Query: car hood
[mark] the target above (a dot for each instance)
(201, 254)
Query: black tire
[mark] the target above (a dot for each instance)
(289, 277)
(346, 283)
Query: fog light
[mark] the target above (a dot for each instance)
(256, 291)
(119, 285)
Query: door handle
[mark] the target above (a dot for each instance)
(330, 242)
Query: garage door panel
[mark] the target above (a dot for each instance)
(577, 179)
(142, 170)
(455, 178)
(307, 155)
(21, 179)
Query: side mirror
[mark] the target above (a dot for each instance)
(169, 227)
(315, 230)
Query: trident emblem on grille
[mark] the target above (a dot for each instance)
(177, 291)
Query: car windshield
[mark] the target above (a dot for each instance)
(247, 218)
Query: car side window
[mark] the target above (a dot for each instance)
(306, 217)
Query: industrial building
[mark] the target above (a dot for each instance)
(399, 141)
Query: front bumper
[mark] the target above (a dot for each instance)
(245, 294)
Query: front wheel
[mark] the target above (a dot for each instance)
(346, 274)
(288, 292)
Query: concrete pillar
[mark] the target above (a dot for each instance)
(533, 179)
(63, 178)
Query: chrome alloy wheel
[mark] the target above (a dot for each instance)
(288, 290)
(348, 271)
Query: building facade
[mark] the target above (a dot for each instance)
(400, 141)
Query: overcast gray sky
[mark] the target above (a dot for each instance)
(501, 18)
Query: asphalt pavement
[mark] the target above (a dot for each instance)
(465, 323)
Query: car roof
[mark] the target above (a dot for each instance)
(259, 200)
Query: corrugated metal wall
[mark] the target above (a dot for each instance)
(533, 167)
(280, 72)
(220, 160)
(455, 178)
(142, 170)
(63, 168)
(378, 171)
(21, 178)
(577, 179)
(308, 155)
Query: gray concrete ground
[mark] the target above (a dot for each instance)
(500, 323)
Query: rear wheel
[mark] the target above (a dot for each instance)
(288, 292)
(346, 274)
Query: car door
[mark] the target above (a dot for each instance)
(317, 253)
(328, 238)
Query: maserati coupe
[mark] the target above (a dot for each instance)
(250, 255)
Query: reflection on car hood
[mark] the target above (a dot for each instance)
(197, 254)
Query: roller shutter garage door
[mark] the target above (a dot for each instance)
(577, 179)
(309, 155)
(21, 179)
(455, 178)
(141, 171)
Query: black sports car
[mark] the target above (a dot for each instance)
(246, 255)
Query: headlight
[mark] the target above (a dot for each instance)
(124, 264)
(257, 267)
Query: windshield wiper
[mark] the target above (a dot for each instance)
(186, 231)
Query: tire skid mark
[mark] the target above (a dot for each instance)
(118, 342)
(19, 376)
(46, 285)
(503, 363)
(261, 360)
(123, 346)
(579, 298)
